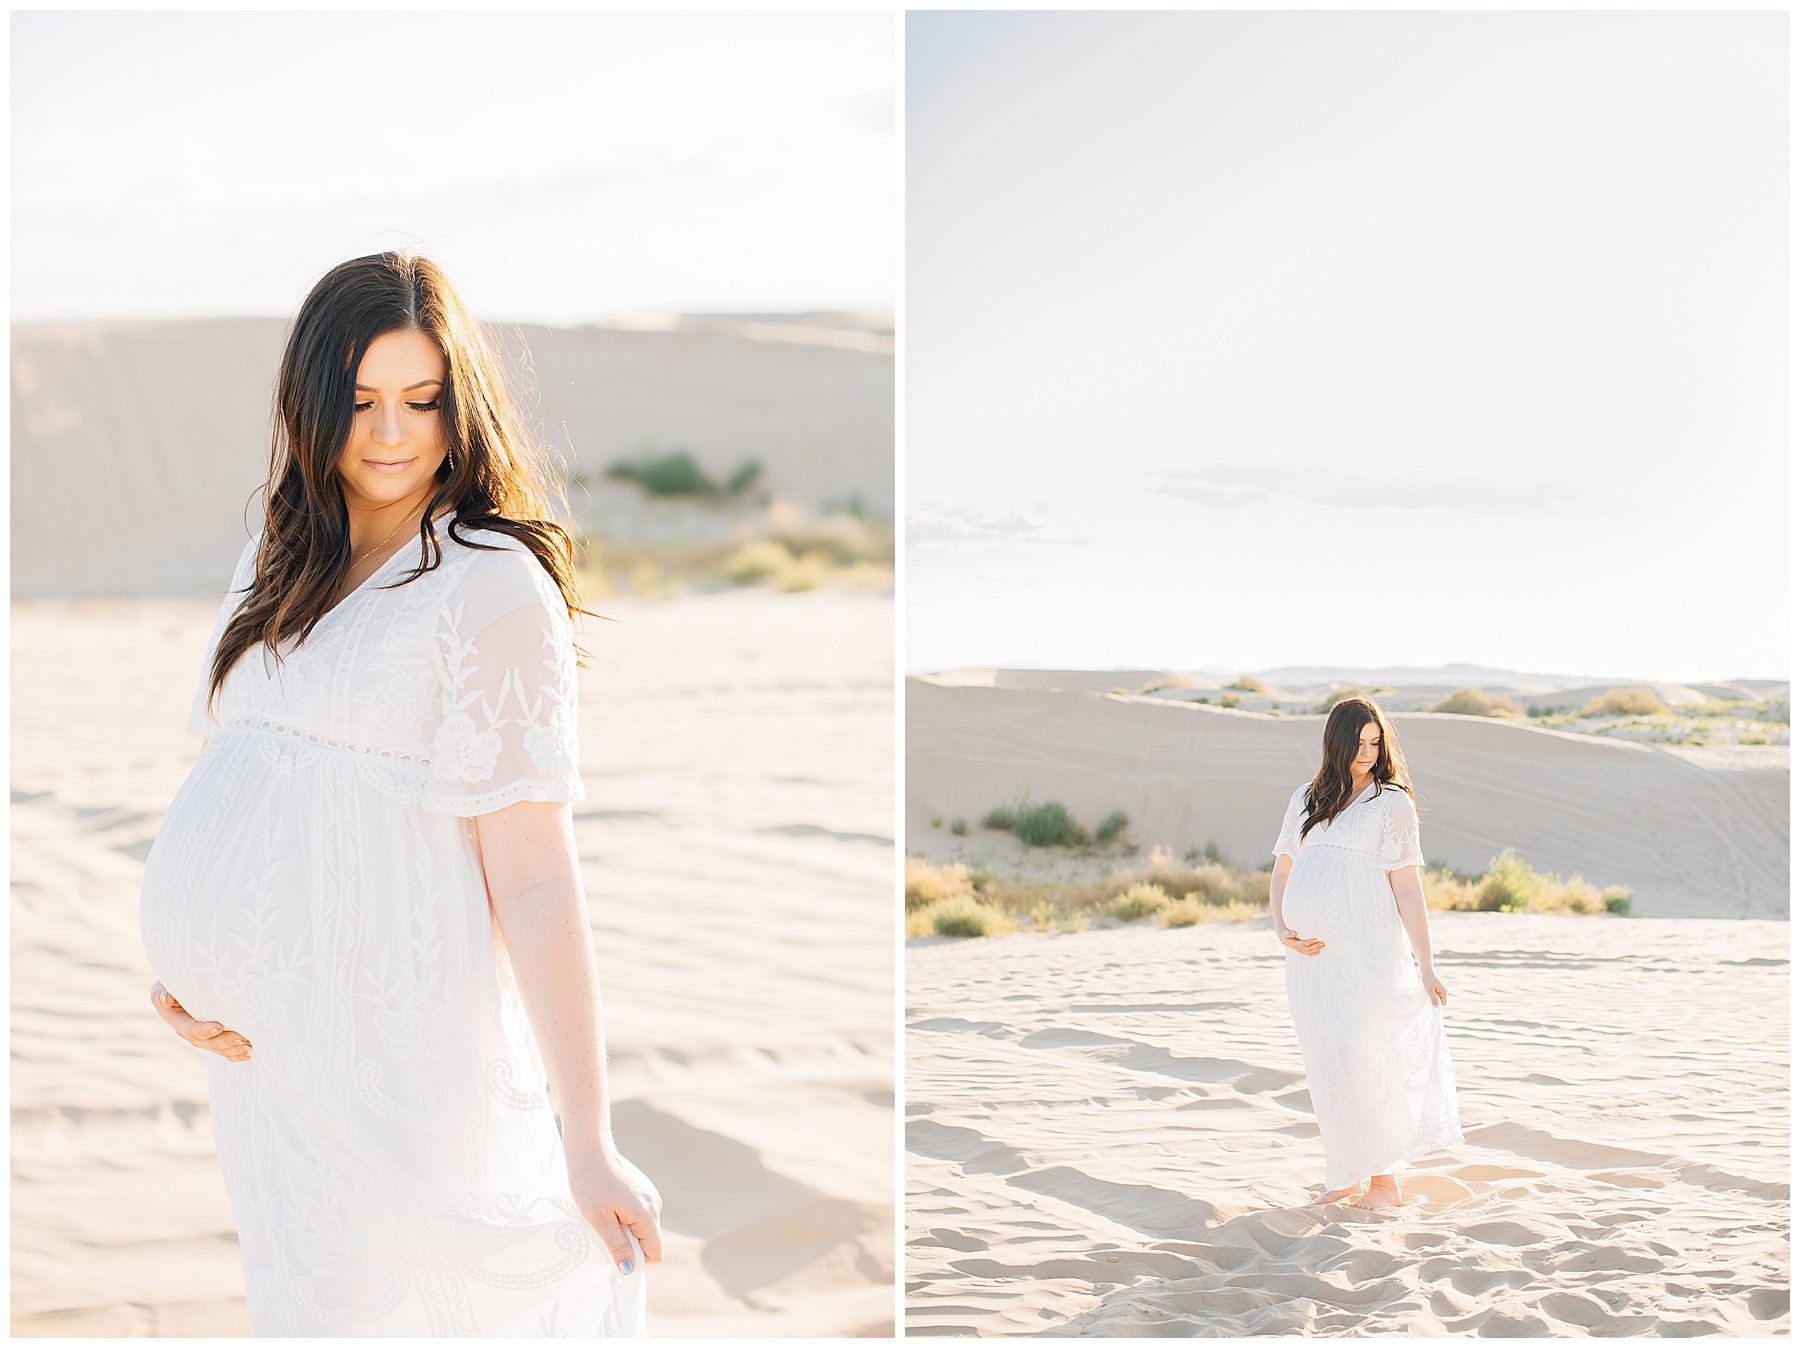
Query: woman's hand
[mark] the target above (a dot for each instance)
(206, 1034)
(614, 1194)
(1304, 945)
(1434, 989)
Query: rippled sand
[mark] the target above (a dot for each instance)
(1109, 1133)
(737, 842)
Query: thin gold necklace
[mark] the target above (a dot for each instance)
(384, 542)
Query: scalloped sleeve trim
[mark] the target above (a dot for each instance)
(466, 807)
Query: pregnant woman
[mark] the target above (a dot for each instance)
(1347, 900)
(365, 899)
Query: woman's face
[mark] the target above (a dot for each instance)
(397, 437)
(1368, 749)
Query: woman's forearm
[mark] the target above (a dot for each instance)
(1277, 888)
(534, 884)
(1409, 897)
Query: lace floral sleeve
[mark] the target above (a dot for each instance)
(1399, 832)
(1289, 841)
(507, 694)
(200, 720)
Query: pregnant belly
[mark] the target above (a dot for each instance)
(1337, 894)
(224, 910)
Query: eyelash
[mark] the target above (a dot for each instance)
(431, 406)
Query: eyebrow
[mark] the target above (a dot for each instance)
(423, 383)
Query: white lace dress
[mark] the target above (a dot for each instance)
(390, 1152)
(1377, 1060)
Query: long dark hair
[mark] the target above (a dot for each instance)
(494, 476)
(1329, 794)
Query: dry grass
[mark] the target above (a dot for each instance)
(927, 884)
(1625, 702)
(1477, 702)
(949, 901)
(1512, 886)
(962, 915)
(783, 547)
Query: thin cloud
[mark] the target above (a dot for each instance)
(1228, 486)
(947, 528)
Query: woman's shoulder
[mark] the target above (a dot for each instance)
(496, 569)
(1397, 798)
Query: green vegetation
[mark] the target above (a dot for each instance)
(943, 900)
(968, 917)
(1716, 721)
(949, 900)
(1245, 684)
(1510, 885)
(1476, 702)
(960, 827)
(1141, 900)
(781, 547)
(678, 473)
(1049, 824)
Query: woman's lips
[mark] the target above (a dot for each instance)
(390, 465)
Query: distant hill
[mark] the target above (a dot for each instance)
(135, 446)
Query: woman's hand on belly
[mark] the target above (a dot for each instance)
(1305, 945)
(206, 1034)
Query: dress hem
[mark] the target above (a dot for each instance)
(1452, 1139)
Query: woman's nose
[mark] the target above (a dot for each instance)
(387, 429)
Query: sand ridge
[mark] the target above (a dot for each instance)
(737, 751)
(1694, 833)
(1109, 1134)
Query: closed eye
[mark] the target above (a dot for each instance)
(431, 406)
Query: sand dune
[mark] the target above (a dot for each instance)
(1695, 833)
(1109, 1134)
(161, 430)
(738, 758)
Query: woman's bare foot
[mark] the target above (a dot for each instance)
(1383, 1192)
(1335, 1195)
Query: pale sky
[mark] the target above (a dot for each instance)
(1237, 340)
(563, 166)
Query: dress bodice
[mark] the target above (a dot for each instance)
(456, 690)
(1382, 822)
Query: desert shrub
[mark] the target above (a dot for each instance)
(960, 827)
(1229, 700)
(761, 560)
(1002, 817)
(1755, 737)
(1189, 911)
(1139, 901)
(1069, 923)
(1476, 702)
(928, 884)
(967, 916)
(1111, 826)
(1183, 912)
(678, 473)
(1509, 885)
(1335, 696)
(1246, 684)
(1625, 702)
(1047, 825)
(1122, 692)
(1445, 890)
